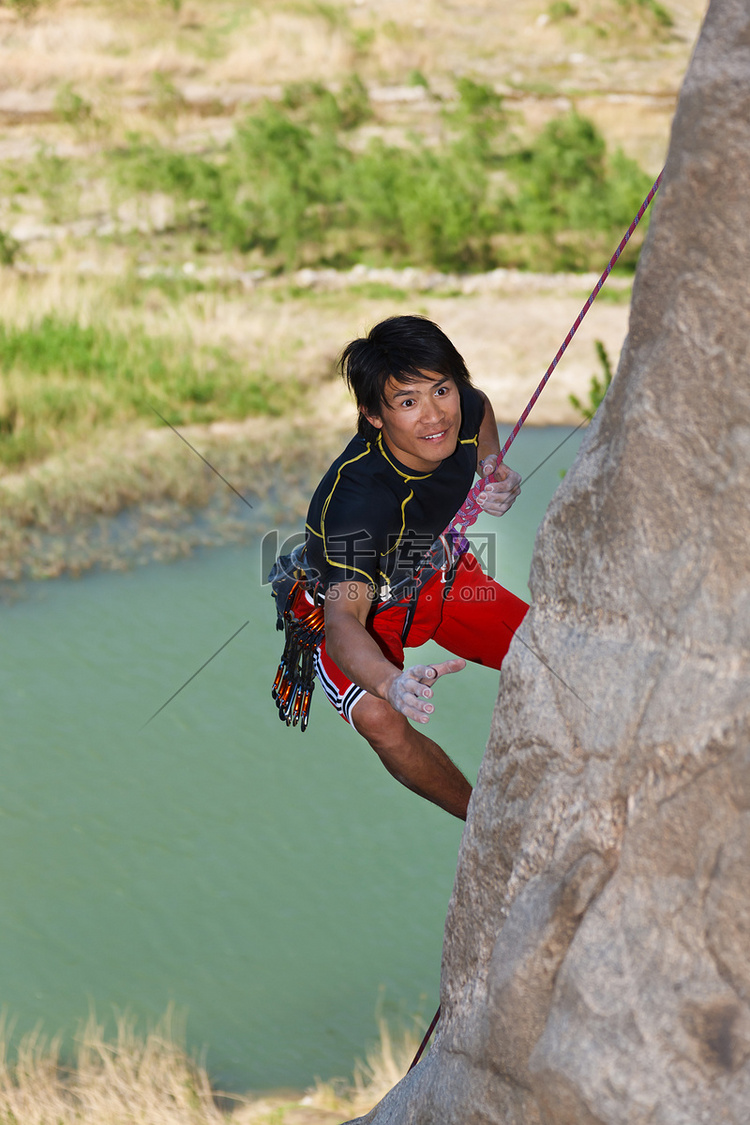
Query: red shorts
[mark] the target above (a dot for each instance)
(473, 616)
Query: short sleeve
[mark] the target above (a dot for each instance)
(472, 412)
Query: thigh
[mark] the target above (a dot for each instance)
(479, 616)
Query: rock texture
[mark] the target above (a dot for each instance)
(597, 952)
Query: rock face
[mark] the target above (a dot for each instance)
(596, 966)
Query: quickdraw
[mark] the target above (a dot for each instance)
(295, 677)
(304, 628)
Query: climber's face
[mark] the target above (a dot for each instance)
(420, 420)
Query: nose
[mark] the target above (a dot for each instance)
(432, 411)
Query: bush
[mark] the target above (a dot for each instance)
(291, 190)
(9, 248)
(566, 182)
(598, 386)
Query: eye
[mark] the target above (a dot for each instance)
(442, 390)
(407, 402)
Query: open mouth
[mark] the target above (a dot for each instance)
(435, 437)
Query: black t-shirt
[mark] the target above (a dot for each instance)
(372, 518)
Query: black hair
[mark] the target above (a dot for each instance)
(400, 348)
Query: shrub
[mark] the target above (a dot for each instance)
(290, 189)
(566, 182)
(9, 248)
(598, 386)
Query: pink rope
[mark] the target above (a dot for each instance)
(469, 511)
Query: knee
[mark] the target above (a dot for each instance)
(377, 722)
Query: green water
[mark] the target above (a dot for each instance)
(275, 886)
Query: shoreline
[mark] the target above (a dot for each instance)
(148, 498)
(153, 1077)
(136, 493)
(119, 511)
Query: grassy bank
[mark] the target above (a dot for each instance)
(135, 1079)
(106, 482)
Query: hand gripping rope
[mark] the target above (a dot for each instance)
(469, 511)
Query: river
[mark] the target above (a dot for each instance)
(276, 887)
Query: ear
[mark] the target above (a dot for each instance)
(374, 419)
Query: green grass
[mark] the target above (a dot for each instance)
(290, 190)
(296, 186)
(61, 381)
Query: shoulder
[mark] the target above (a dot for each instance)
(355, 486)
(354, 458)
(472, 410)
(351, 464)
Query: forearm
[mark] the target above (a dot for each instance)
(355, 652)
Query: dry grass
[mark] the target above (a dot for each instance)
(385, 1064)
(151, 1079)
(132, 1079)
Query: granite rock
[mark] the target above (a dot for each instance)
(596, 966)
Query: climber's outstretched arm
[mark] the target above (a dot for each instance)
(392, 697)
(351, 647)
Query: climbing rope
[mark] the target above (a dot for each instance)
(426, 1040)
(469, 511)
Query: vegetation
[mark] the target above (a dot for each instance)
(60, 380)
(295, 185)
(608, 18)
(23, 7)
(290, 190)
(151, 1080)
(597, 388)
(9, 248)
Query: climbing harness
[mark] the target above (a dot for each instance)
(299, 602)
(300, 615)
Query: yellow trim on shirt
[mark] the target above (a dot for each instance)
(324, 509)
(403, 523)
(345, 566)
(414, 476)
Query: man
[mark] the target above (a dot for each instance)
(423, 432)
